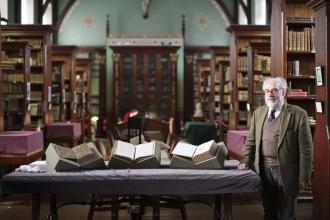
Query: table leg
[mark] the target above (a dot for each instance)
(155, 207)
(53, 207)
(35, 206)
(227, 203)
(217, 206)
(114, 208)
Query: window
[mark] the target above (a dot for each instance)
(242, 19)
(27, 12)
(260, 11)
(4, 10)
(47, 17)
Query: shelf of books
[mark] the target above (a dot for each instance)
(258, 63)
(98, 96)
(191, 75)
(297, 54)
(145, 79)
(321, 163)
(220, 67)
(82, 96)
(39, 37)
(204, 91)
(241, 36)
(67, 54)
(294, 58)
(16, 85)
(57, 90)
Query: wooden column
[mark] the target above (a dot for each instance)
(321, 175)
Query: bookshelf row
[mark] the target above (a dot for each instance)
(42, 83)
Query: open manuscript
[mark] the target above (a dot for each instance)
(83, 156)
(127, 155)
(207, 155)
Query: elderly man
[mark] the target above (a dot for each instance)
(279, 147)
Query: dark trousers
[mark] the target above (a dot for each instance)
(277, 205)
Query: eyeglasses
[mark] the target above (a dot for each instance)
(273, 91)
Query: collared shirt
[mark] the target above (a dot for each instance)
(277, 112)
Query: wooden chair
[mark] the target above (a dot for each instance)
(156, 129)
(114, 203)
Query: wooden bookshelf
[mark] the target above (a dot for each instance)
(67, 54)
(293, 56)
(258, 63)
(240, 37)
(1, 96)
(203, 89)
(39, 37)
(220, 68)
(294, 59)
(57, 86)
(321, 174)
(98, 79)
(82, 96)
(191, 78)
(145, 79)
(16, 85)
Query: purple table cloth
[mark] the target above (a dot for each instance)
(21, 142)
(235, 142)
(63, 130)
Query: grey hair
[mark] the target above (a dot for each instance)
(280, 82)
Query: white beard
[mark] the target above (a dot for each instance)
(277, 104)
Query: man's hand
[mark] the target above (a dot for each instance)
(243, 166)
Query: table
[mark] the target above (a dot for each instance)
(197, 132)
(132, 182)
(20, 147)
(235, 143)
(63, 132)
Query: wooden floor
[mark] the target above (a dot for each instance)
(13, 209)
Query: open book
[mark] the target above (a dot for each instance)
(209, 155)
(124, 155)
(196, 153)
(84, 156)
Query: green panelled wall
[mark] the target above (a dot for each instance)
(86, 26)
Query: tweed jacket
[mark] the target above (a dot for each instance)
(294, 150)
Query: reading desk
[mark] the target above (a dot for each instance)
(154, 182)
(63, 132)
(20, 147)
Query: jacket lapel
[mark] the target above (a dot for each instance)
(260, 124)
(286, 115)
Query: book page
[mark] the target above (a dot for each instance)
(144, 150)
(124, 149)
(205, 151)
(209, 147)
(82, 151)
(65, 152)
(184, 149)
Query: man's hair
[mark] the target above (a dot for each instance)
(280, 82)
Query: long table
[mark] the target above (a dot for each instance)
(132, 182)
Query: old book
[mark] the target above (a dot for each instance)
(83, 156)
(127, 155)
(183, 160)
(196, 153)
